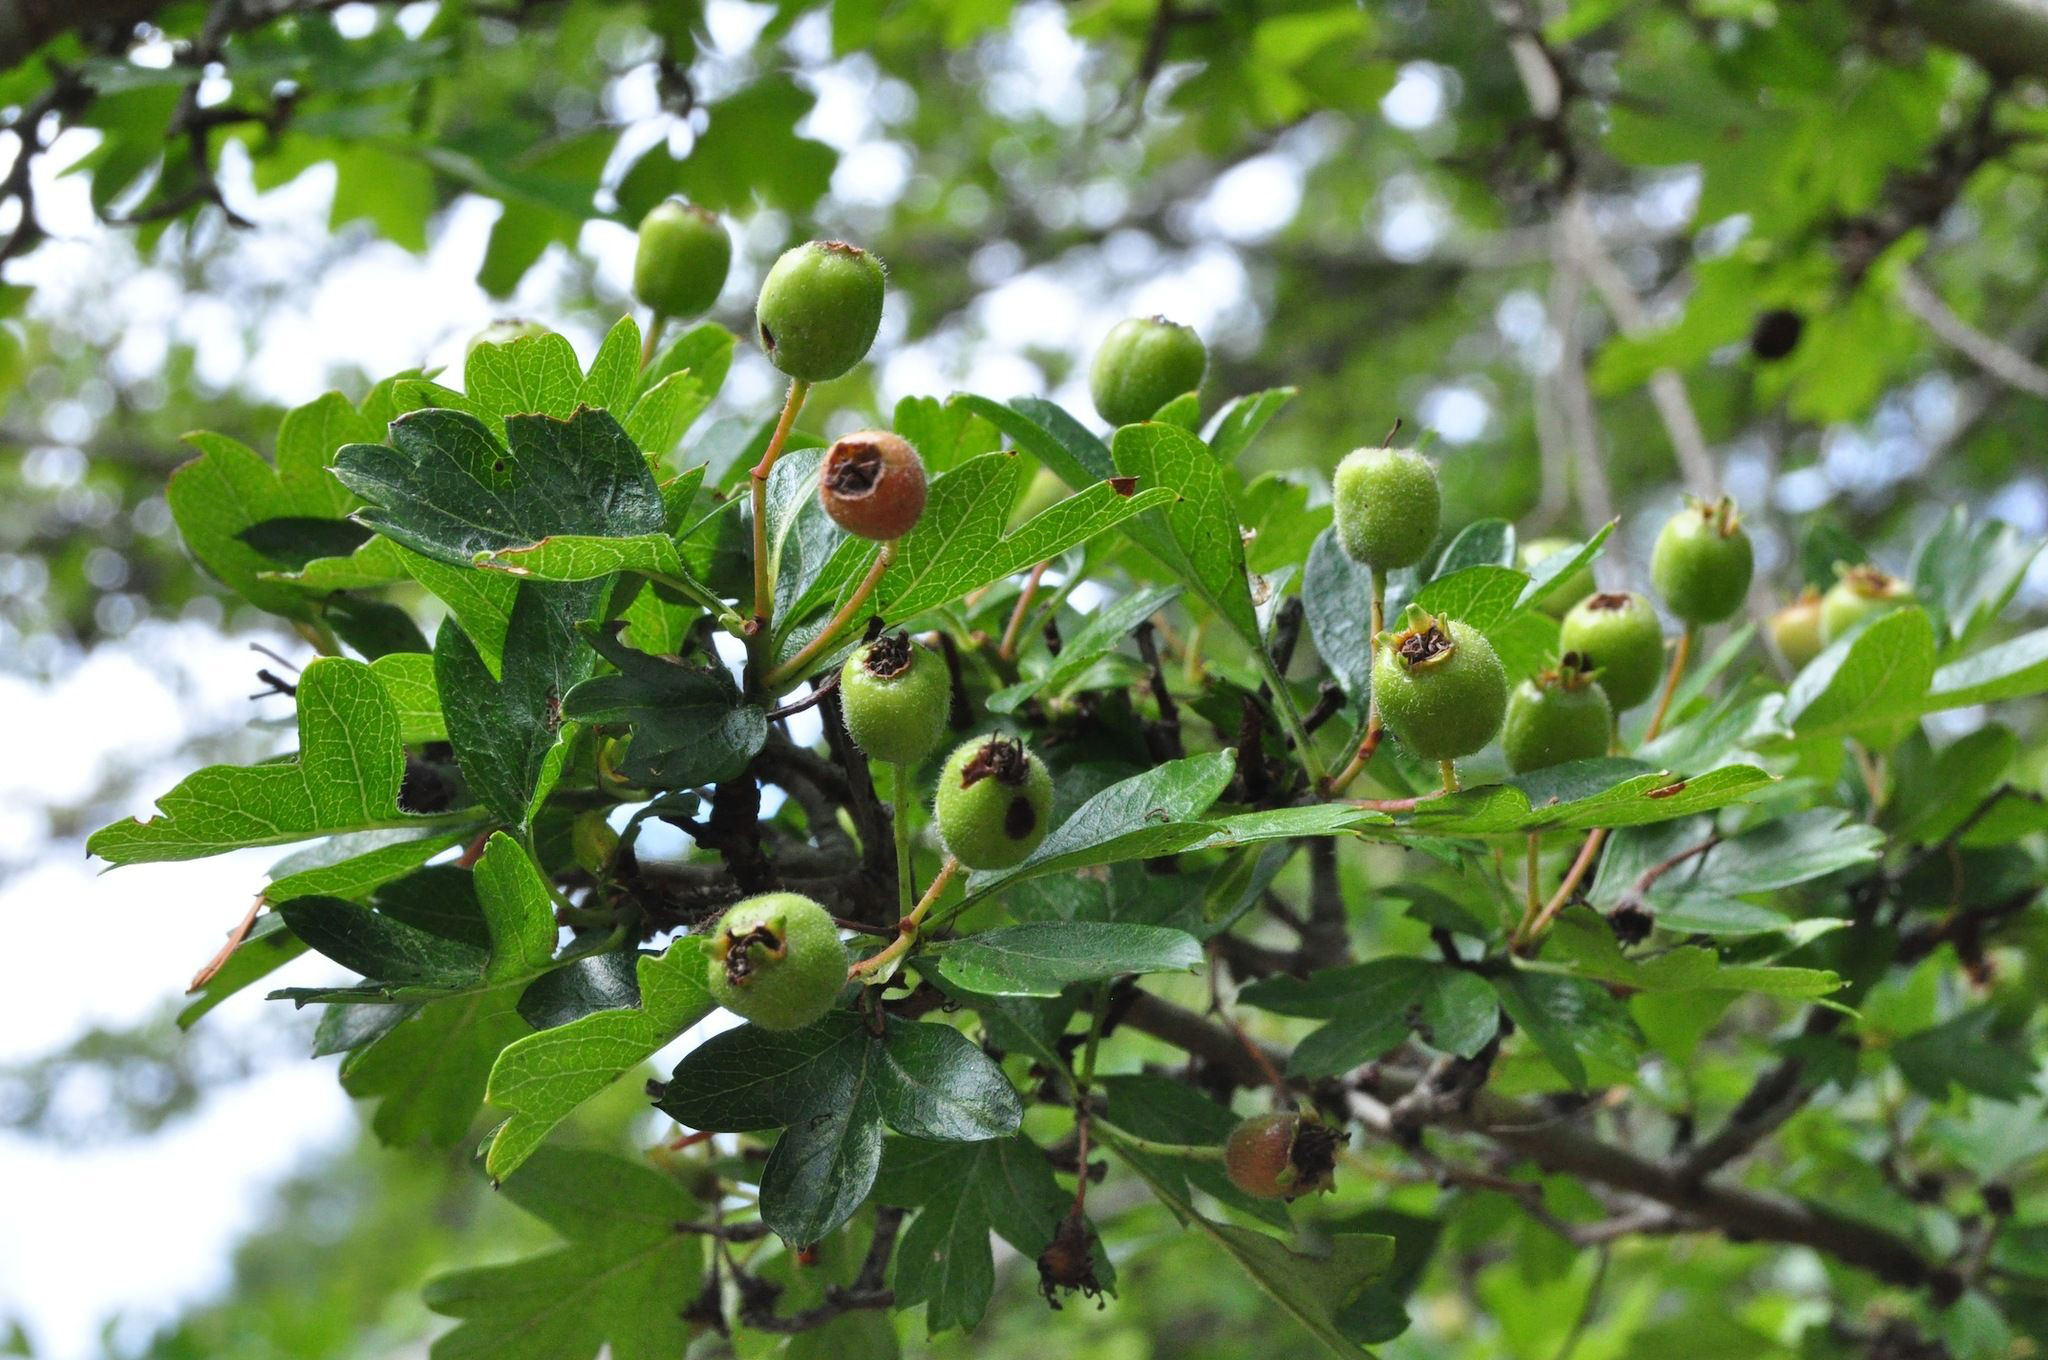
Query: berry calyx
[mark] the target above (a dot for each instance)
(1617, 635)
(1558, 716)
(777, 960)
(1703, 561)
(1281, 1156)
(1144, 363)
(994, 802)
(1861, 592)
(1387, 505)
(820, 307)
(1441, 689)
(893, 694)
(503, 332)
(1569, 590)
(685, 253)
(1796, 629)
(872, 484)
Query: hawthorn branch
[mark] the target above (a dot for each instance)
(1994, 357)
(868, 1289)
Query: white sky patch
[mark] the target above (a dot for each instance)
(1457, 412)
(1252, 200)
(1417, 99)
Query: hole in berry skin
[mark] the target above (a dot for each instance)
(1021, 819)
(1616, 600)
(1423, 644)
(767, 338)
(739, 952)
(853, 470)
(1001, 759)
(888, 656)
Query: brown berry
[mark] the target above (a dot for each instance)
(1281, 1156)
(872, 485)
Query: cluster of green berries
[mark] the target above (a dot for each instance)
(1805, 627)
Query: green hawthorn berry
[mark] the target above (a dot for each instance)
(994, 801)
(1281, 1156)
(1440, 688)
(1617, 635)
(777, 960)
(503, 332)
(872, 484)
(1702, 562)
(894, 695)
(684, 256)
(1862, 592)
(1144, 363)
(1566, 592)
(1796, 629)
(1386, 505)
(1558, 716)
(820, 307)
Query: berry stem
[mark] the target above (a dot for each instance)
(906, 929)
(816, 647)
(899, 815)
(1679, 657)
(1587, 854)
(1532, 905)
(764, 599)
(1131, 1142)
(1370, 742)
(1450, 773)
(1007, 648)
(657, 321)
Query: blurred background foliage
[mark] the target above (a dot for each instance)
(1602, 251)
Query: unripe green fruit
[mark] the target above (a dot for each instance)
(777, 960)
(1619, 639)
(1796, 629)
(1566, 592)
(1558, 716)
(1702, 562)
(1143, 364)
(820, 307)
(1862, 592)
(1386, 505)
(872, 484)
(684, 256)
(1441, 690)
(1281, 1156)
(994, 802)
(894, 695)
(503, 332)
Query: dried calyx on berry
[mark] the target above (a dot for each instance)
(872, 484)
(1441, 688)
(1861, 592)
(1703, 561)
(1282, 1156)
(1068, 1262)
(894, 696)
(994, 802)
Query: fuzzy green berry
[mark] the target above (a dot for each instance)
(1558, 716)
(777, 960)
(1861, 592)
(1618, 637)
(1702, 562)
(1143, 364)
(1281, 1156)
(1441, 690)
(684, 256)
(1570, 589)
(872, 484)
(1796, 629)
(894, 695)
(994, 802)
(1386, 505)
(820, 307)
(503, 332)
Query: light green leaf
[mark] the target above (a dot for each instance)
(408, 679)
(1239, 423)
(2011, 670)
(1875, 676)
(1196, 537)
